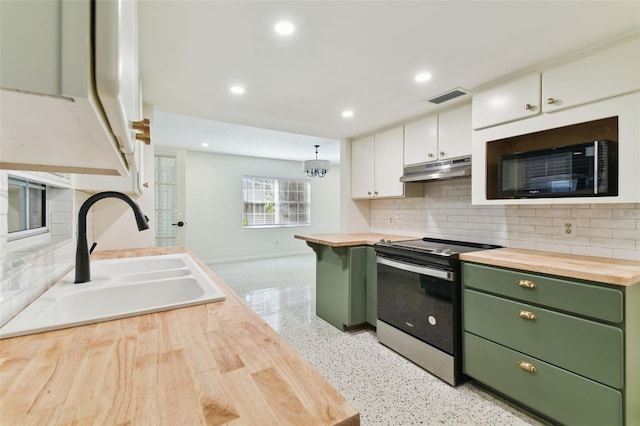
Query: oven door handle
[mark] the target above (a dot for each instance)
(418, 269)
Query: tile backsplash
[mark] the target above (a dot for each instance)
(605, 230)
(27, 270)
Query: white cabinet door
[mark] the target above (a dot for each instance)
(608, 73)
(508, 102)
(389, 149)
(134, 184)
(454, 133)
(46, 77)
(362, 164)
(421, 140)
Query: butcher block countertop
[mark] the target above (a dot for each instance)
(600, 269)
(216, 363)
(344, 240)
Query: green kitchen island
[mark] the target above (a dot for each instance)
(346, 277)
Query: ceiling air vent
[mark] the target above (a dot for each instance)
(447, 96)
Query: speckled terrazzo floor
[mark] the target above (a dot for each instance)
(386, 388)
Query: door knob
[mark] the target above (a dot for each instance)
(180, 224)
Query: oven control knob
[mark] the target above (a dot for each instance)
(432, 320)
(437, 250)
(446, 251)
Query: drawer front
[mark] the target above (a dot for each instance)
(585, 347)
(585, 299)
(552, 391)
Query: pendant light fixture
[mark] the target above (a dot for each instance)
(316, 167)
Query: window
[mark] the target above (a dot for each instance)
(27, 207)
(275, 202)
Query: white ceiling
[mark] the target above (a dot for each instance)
(360, 55)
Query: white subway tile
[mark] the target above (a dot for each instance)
(521, 212)
(555, 248)
(630, 234)
(627, 254)
(613, 243)
(593, 232)
(592, 251)
(527, 245)
(626, 213)
(538, 221)
(553, 212)
(610, 223)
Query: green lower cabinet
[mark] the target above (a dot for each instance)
(566, 348)
(341, 284)
(585, 347)
(553, 392)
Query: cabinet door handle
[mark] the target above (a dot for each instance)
(527, 284)
(527, 315)
(529, 107)
(551, 101)
(430, 155)
(527, 366)
(442, 154)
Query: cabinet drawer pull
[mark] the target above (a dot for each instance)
(527, 284)
(527, 315)
(551, 101)
(527, 366)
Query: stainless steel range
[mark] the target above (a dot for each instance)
(419, 310)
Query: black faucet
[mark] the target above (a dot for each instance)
(83, 273)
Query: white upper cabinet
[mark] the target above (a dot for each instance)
(608, 73)
(377, 165)
(362, 164)
(421, 140)
(438, 137)
(388, 168)
(60, 112)
(508, 102)
(454, 133)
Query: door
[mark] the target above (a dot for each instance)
(169, 196)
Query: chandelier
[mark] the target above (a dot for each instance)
(316, 167)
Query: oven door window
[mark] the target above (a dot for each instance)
(417, 304)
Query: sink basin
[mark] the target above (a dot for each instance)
(119, 288)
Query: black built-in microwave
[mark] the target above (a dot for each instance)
(587, 169)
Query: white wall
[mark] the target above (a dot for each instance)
(214, 207)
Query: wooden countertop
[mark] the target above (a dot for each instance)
(208, 364)
(343, 240)
(600, 269)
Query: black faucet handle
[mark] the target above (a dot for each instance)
(93, 246)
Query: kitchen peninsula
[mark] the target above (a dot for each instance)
(207, 364)
(346, 276)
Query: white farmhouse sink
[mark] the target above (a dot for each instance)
(119, 288)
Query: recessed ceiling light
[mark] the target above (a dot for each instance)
(204, 144)
(237, 90)
(422, 77)
(347, 113)
(284, 28)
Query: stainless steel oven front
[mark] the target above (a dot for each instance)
(418, 313)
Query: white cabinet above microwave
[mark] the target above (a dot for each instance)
(58, 111)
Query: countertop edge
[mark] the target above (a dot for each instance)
(348, 240)
(609, 271)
